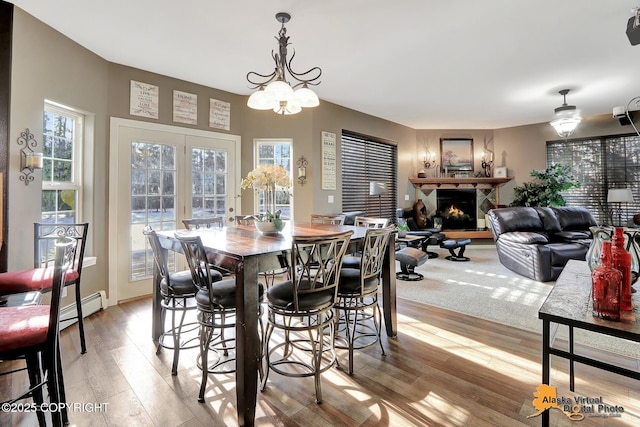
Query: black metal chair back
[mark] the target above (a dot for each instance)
(315, 264)
(45, 238)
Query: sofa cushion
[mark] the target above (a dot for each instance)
(505, 220)
(574, 218)
(549, 219)
(572, 235)
(527, 237)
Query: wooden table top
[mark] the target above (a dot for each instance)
(246, 240)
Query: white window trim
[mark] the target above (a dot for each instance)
(76, 158)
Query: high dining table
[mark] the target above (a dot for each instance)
(249, 253)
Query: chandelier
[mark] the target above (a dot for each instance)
(567, 117)
(274, 92)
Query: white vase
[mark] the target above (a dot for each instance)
(269, 227)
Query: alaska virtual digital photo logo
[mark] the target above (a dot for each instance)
(576, 408)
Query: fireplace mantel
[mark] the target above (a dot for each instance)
(452, 183)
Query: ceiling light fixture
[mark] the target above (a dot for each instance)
(627, 112)
(274, 92)
(566, 117)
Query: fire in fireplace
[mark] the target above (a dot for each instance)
(457, 208)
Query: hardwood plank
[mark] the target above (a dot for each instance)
(443, 369)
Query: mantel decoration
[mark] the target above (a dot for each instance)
(29, 160)
(274, 92)
(265, 178)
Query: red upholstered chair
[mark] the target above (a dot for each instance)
(39, 278)
(32, 333)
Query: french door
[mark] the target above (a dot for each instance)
(160, 175)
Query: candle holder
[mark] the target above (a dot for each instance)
(29, 160)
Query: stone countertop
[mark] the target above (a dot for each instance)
(569, 302)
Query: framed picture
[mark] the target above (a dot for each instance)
(500, 172)
(456, 154)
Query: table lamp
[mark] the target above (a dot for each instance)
(619, 196)
(378, 189)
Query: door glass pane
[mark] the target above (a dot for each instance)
(208, 183)
(153, 200)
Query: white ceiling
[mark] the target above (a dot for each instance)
(427, 64)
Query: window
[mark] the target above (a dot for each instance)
(209, 178)
(61, 174)
(367, 160)
(600, 164)
(275, 152)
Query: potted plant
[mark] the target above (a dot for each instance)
(265, 178)
(546, 187)
(402, 227)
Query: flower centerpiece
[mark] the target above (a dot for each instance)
(265, 178)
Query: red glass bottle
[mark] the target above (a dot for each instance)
(606, 281)
(622, 261)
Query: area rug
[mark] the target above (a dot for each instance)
(484, 288)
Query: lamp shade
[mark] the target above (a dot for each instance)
(377, 188)
(261, 100)
(306, 97)
(620, 195)
(565, 126)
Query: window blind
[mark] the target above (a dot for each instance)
(365, 160)
(600, 164)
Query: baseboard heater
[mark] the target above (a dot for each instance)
(90, 304)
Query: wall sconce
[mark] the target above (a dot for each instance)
(487, 164)
(302, 170)
(430, 160)
(29, 160)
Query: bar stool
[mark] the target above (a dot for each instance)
(33, 333)
(216, 305)
(39, 278)
(302, 308)
(178, 292)
(357, 306)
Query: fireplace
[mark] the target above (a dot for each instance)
(457, 208)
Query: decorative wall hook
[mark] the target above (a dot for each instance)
(302, 170)
(29, 160)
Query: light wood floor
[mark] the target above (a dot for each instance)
(444, 368)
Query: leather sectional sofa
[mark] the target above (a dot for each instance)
(538, 242)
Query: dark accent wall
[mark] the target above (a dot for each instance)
(6, 31)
